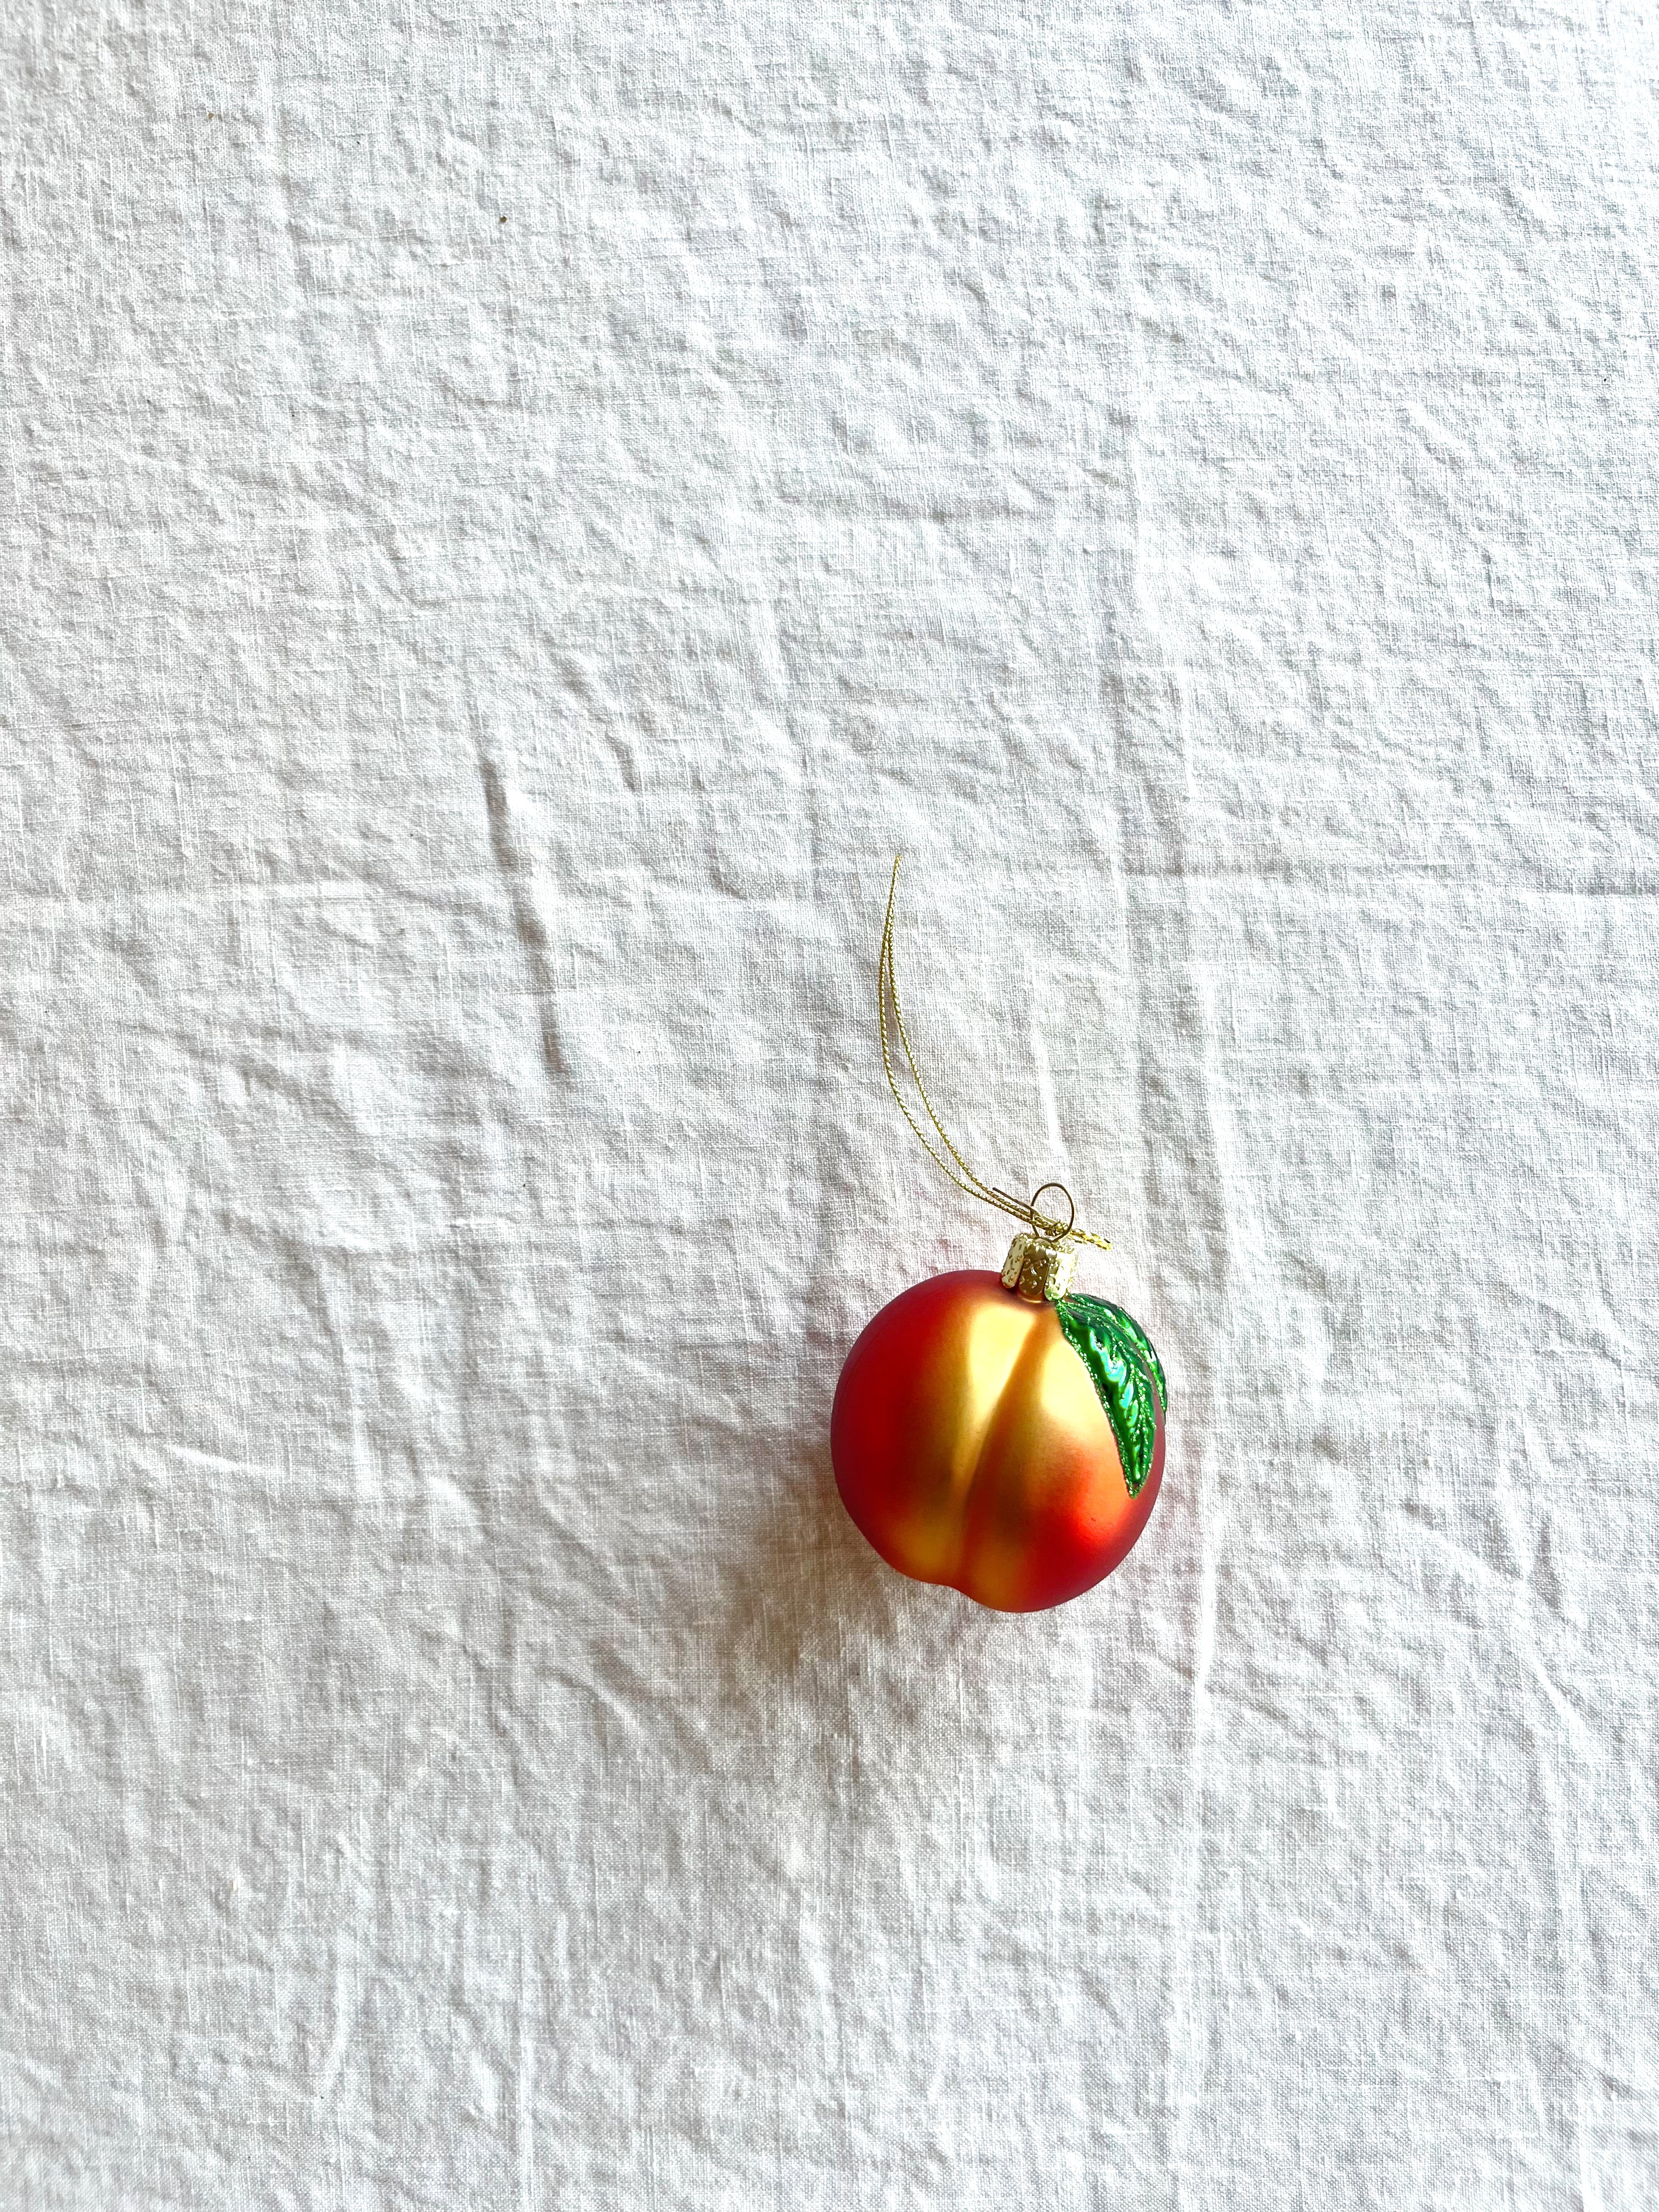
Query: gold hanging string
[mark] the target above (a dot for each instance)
(950, 1160)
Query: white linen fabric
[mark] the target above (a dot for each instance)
(514, 515)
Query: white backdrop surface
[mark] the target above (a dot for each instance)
(512, 515)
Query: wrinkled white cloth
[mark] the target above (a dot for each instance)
(514, 516)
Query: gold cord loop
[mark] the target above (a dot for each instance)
(950, 1160)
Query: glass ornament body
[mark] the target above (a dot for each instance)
(971, 1447)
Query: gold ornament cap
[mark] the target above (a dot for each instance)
(1039, 1267)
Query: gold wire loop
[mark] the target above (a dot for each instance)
(950, 1160)
(1047, 1220)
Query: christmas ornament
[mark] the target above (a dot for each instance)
(999, 1433)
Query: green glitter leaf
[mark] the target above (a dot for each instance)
(1126, 1373)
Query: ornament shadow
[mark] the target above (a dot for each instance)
(810, 1620)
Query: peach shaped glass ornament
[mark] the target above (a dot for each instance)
(1002, 1434)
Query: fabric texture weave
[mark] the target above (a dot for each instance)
(514, 516)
